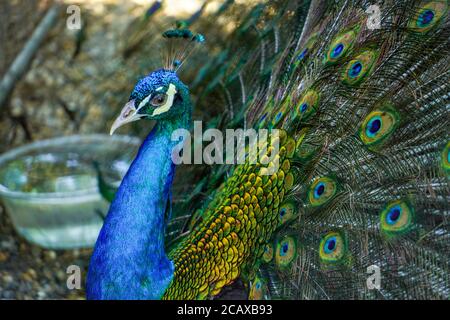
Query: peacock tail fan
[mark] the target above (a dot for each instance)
(363, 181)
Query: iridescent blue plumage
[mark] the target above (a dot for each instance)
(373, 126)
(303, 107)
(393, 214)
(129, 261)
(330, 245)
(337, 50)
(318, 191)
(355, 69)
(302, 54)
(426, 17)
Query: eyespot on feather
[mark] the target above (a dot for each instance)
(258, 289)
(359, 68)
(379, 125)
(287, 212)
(268, 253)
(321, 191)
(306, 50)
(307, 106)
(333, 247)
(340, 45)
(280, 114)
(396, 218)
(428, 16)
(286, 252)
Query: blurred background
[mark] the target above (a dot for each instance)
(62, 88)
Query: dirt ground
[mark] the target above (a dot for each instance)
(30, 272)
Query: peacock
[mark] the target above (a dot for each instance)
(359, 96)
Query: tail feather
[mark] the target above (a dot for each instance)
(405, 87)
(371, 188)
(369, 112)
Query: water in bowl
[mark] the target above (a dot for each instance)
(63, 206)
(48, 173)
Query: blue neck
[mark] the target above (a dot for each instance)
(129, 261)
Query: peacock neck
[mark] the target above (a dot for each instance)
(130, 249)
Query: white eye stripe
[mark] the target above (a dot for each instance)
(147, 98)
(144, 102)
(170, 97)
(164, 108)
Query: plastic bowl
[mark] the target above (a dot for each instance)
(49, 188)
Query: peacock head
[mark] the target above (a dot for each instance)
(160, 95)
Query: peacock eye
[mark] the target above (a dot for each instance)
(430, 14)
(302, 54)
(378, 126)
(285, 252)
(287, 212)
(332, 247)
(321, 191)
(159, 99)
(425, 18)
(258, 289)
(307, 105)
(303, 107)
(396, 218)
(268, 253)
(341, 44)
(360, 67)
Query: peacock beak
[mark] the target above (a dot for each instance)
(127, 115)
